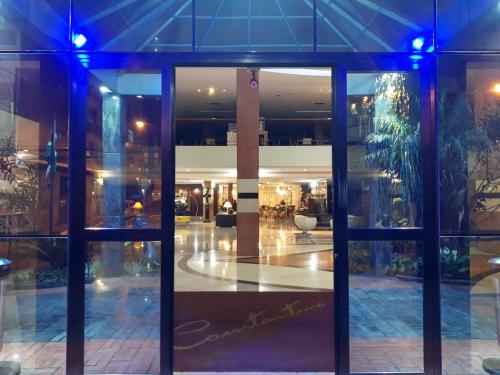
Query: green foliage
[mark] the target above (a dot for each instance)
(405, 265)
(394, 147)
(453, 265)
(459, 136)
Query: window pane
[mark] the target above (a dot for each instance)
(373, 26)
(33, 145)
(33, 297)
(254, 25)
(469, 122)
(123, 149)
(384, 150)
(134, 26)
(34, 25)
(386, 306)
(122, 308)
(468, 25)
(470, 300)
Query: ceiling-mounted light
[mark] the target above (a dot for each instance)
(104, 90)
(79, 40)
(211, 91)
(418, 43)
(496, 88)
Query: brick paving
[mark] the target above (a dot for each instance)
(122, 328)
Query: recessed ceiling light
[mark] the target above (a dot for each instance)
(211, 91)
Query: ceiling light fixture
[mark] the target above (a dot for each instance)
(418, 43)
(104, 90)
(79, 40)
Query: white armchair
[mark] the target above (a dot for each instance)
(305, 224)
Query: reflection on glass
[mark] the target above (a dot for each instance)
(373, 26)
(123, 150)
(464, 25)
(255, 25)
(469, 144)
(33, 299)
(253, 237)
(384, 150)
(470, 302)
(134, 26)
(29, 25)
(386, 306)
(33, 145)
(122, 308)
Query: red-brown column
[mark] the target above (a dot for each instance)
(247, 119)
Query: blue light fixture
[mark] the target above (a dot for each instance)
(418, 43)
(79, 40)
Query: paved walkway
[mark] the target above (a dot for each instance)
(122, 327)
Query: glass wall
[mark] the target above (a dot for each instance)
(33, 212)
(384, 150)
(41, 41)
(255, 25)
(122, 307)
(469, 117)
(123, 150)
(386, 306)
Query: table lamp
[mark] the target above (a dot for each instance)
(228, 206)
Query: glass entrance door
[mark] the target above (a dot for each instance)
(253, 211)
(274, 220)
(384, 196)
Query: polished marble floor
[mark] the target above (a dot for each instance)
(122, 313)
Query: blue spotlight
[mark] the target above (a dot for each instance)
(418, 43)
(79, 40)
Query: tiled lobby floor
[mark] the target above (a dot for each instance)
(122, 314)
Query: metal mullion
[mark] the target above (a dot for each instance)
(341, 274)
(76, 220)
(167, 220)
(431, 223)
(122, 234)
(394, 234)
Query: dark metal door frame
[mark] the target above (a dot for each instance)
(361, 62)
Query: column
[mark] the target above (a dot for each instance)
(208, 202)
(247, 118)
(113, 158)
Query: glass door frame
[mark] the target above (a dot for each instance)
(340, 64)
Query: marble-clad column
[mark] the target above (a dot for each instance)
(113, 160)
